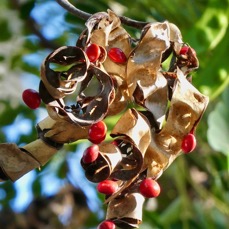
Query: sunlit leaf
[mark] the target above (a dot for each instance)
(218, 130)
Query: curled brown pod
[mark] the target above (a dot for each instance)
(57, 85)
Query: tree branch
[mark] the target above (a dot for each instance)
(73, 10)
(84, 15)
(133, 23)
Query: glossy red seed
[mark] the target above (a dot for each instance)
(90, 154)
(107, 187)
(107, 224)
(117, 55)
(93, 52)
(149, 188)
(31, 98)
(184, 50)
(188, 143)
(97, 132)
(98, 140)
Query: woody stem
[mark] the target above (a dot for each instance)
(85, 16)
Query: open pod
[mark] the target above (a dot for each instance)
(15, 162)
(105, 30)
(186, 109)
(56, 85)
(145, 60)
(133, 137)
(61, 71)
(126, 211)
(60, 131)
(80, 91)
(103, 166)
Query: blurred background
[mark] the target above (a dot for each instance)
(195, 188)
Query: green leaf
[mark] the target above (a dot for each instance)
(8, 114)
(5, 30)
(172, 212)
(26, 8)
(62, 170)
(37, 187)
(218, 122)
(9, 193)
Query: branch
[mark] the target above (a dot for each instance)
(133, 23)
(85, 16)
(73, 10)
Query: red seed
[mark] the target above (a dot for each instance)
(188, 143)
(184, 50)
(107, 187)
(107, 224)
(98, 140)
(90, 154)
(97, 132)
(149, 188)
(117, 55)
(31, 98)
(93, 52)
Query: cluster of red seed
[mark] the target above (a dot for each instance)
(148, 187)
(97, 131)
(94, 53)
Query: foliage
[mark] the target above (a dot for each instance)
(195, 188)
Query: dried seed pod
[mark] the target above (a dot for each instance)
(154, 98)
(126, 211)
(16, 162)
(188, 62)
(105, 30)
(186, 109)
(88, 109)
(121, 94)
(131, 163)
(102, 167)
(58, 82)
(134, 127)
(145, 60)
(61, 131)
(147, 139)
(156, 161)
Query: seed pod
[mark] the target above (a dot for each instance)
(126, 211)
(103, 166)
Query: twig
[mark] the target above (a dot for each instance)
(133, 23)
(73, 10)
(83, 15)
